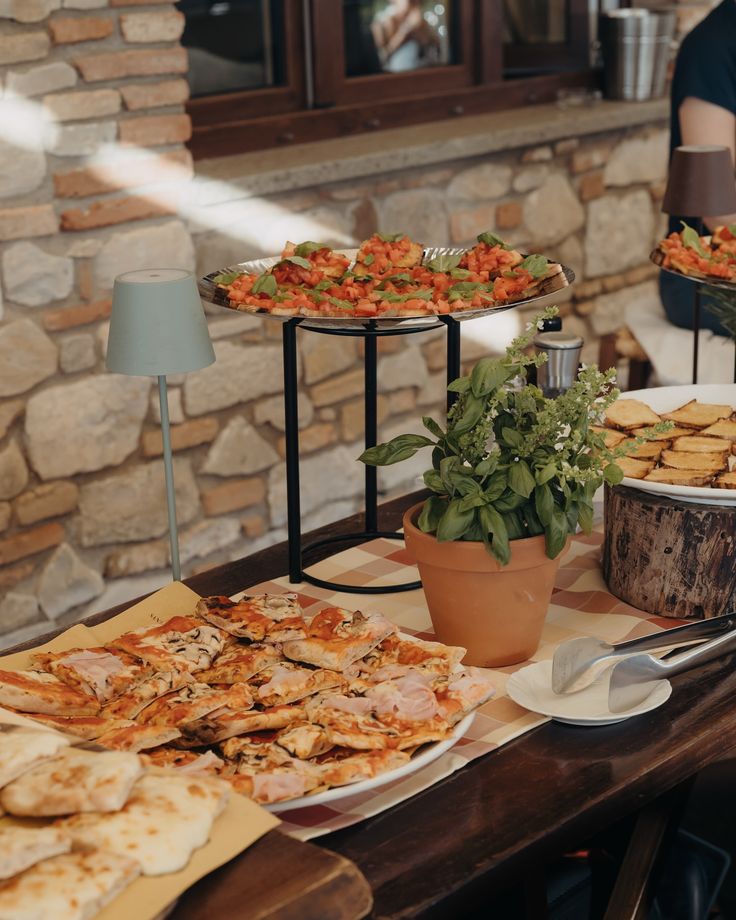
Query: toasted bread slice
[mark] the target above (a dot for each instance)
(679, 477)
(673, 432)
(726, 429)
(630, 413)
(611, 437)
(725, 481)
(647, 451)
(687, 460)
(635, 469)
(695, 414)
(697, 444)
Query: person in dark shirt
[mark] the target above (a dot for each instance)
(702, 112)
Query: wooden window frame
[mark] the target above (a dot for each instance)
(568, 55)
(253, 120)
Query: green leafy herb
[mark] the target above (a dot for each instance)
(491, 239)
(308, 247)
(395, 450)
(322, 285)
(297, 260)
(460, 274)
(390, 237)
(536, 265)
(265, 284)
(227, 277)
(341, 304)
(691, 239)
(444, 263)
(369, 259)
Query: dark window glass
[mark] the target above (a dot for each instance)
(233, 44)
(395, 36)
(535, 22)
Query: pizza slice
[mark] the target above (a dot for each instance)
(86, 728)
(23, 847)
(165, 819)
(396, 655)
(185, 762)
(194, 701)
(343, 766)
(99, 672)
(22, 748)
(240, 662)
(137, 738)
(226, 723)
(463, 692)
(130, 704)
(286, 682)
(265, 617)
(75, 780)
(37, 691)
(337, 637)
(179, 644)
(266, 773)
(72, 886)
(303, 740)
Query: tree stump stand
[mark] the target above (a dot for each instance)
(669, 558)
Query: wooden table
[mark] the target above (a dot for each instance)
(487, 827)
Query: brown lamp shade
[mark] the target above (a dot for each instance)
(701, 182)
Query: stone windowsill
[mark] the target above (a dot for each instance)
(286, 169)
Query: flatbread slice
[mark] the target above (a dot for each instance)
(633, 468)
(263, 617)
(396, 655)
(221, 725)
(22, 748)
(86, 728)
(23, 847)
(650, 450)
(99, 672)
(695, 414)
(287, 682)
(687, 460)
(137, 738)
(36, 691)
(239, 663)
(630, 413)
(276, 784)
(669, 435)
(610, 436)
(166, 818)
(194, 701)
(700, 444)
(464, 692)
(185, 762)
(179, 644)
(337, 637)
(302, 740)
(725, 481)
(343, 766)
(73, 886)
(679, 477)
(130, 704)
(726, 428)
(75, 780)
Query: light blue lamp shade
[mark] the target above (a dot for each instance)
(158, 325)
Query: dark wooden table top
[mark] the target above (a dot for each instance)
(483, 828)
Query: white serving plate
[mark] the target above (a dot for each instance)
(531, 687)
(425, 757)
(665, 399)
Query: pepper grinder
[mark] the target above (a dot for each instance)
(560, 371)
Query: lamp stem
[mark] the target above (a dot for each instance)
(169, 471)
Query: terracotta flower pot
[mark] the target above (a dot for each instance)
(496, 612)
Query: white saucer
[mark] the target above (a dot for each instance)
(531, 687)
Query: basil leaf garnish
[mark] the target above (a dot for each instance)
(265, 284)
(390, 237)
(691, 239)
(226, 277)
(444, 263)
(308, 247)
(342, 304)
(322, 285)
(460, 273)
(535, 264)
(297, 260)
(369, 259)
(491, 239)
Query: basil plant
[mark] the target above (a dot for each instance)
(509, 462)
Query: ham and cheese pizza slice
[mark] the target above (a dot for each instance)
(464, 692)
(194, 701)
(22, 748)
(185, 762)
(240, 662)
(73, 886)
(179, 644)
(137, 738)
(343, 766)
(23, 847)
(130, 704)
(396, 655)
(337, 637)
(278, 784)
(86, 728)
(37, 691)
(75, 780)
(166, 818)
(225, 723)
(263, 617)
(303, 740)
(99, 672)
(287, 683)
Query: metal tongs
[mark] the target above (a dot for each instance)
(572, 659)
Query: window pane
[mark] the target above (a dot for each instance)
(233, 44)
(393, 36)
(534, 22)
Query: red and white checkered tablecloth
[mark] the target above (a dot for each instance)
(581, 606)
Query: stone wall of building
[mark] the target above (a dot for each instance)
(95, 180)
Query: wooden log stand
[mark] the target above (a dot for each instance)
(667, 557)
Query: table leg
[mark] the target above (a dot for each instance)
(291, 423)
(696, 330)
(371, 430)
(453, 356)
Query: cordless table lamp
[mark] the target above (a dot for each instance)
(701, 184)
(158, 328)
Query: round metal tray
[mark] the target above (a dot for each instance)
(211, 293)
(657, 256)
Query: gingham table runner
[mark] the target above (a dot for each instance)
(581, 606)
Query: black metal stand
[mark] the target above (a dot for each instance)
(370, 334)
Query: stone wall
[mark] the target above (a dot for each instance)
(95, 180)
